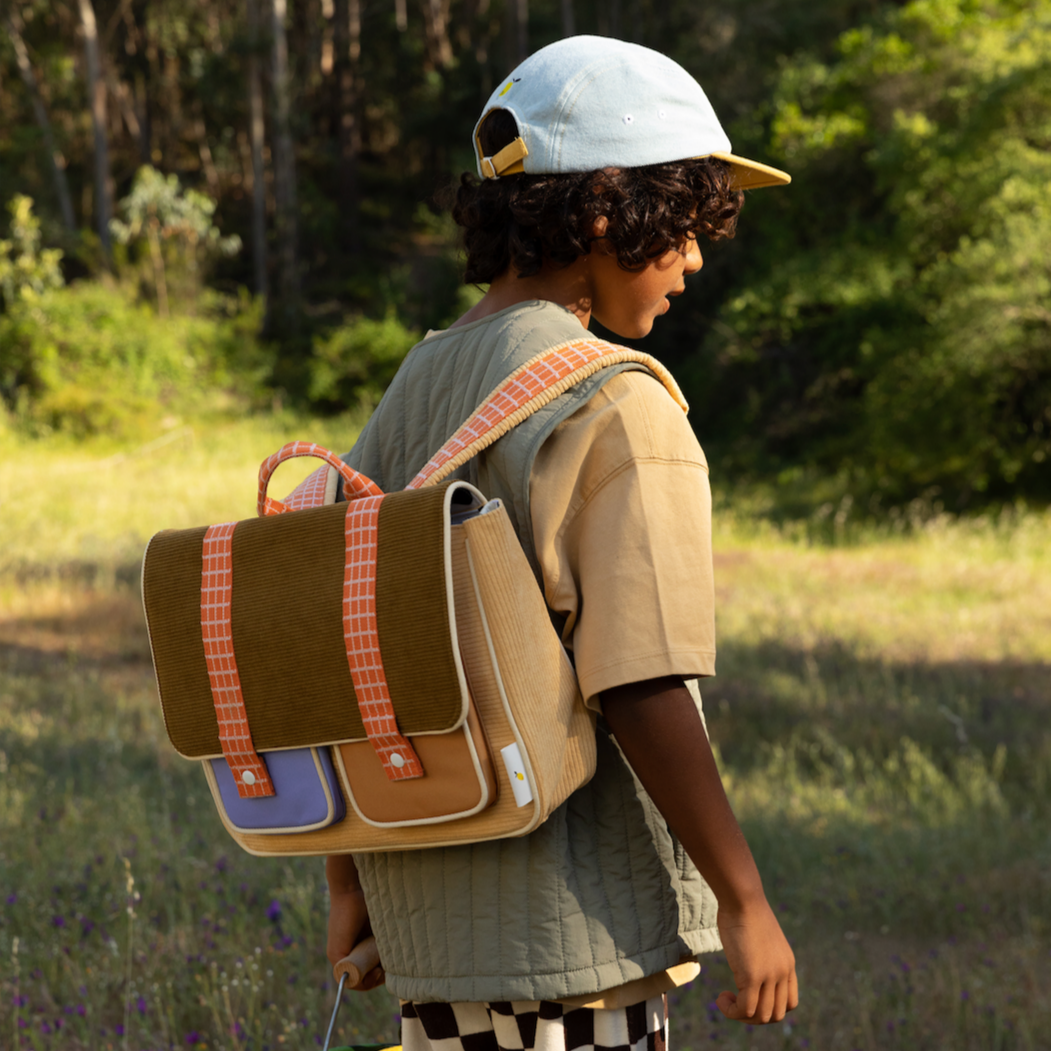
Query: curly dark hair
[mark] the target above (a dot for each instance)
(524, 220)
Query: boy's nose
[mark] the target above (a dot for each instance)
(694, 259)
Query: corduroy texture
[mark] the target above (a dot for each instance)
(600, 894)
(447, 789)
(287, 627)
(537, 657)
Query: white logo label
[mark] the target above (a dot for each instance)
(512, 758)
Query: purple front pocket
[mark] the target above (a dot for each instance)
(306, 793)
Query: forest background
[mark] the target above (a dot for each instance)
(234, 206)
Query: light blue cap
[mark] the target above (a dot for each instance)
(589, 102)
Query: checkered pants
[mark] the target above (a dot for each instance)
(537, 1025)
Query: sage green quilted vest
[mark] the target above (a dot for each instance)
(601, 893)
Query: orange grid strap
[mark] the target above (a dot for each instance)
(355, 484)
(217, 584)
(529, 388)
(363, 643)
(309, 493)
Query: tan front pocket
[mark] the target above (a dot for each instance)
(458, 779)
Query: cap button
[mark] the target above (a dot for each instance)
(397, 759)
(248, 777)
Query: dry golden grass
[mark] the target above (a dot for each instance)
(881, 712)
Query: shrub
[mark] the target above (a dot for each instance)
(88, 359)
(353, 364)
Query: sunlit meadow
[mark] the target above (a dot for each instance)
(881, 714)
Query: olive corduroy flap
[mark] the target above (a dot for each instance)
(380, 673)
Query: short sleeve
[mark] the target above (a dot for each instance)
(621, 514)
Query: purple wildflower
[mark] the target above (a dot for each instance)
(119, 1030)
(58, 921)
(140, 1005)
(273, 912)
(193, 1037)
(12, 898)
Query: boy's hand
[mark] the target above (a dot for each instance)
(660, 733)
(763, 966)
(348, 915)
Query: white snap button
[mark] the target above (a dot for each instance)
(397, 759)
(662, 114)
(628, 118)
(248, 777)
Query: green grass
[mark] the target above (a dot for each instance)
(881, 716)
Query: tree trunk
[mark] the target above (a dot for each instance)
(284, 164)
(516, 31)
(521, 10)
(256, 133)
(436, 30)
(568, 22)
(97, 93)
(58, 162)
(347, 91)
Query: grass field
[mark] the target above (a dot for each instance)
(881, 713)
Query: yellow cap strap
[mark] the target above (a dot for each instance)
(507, 162)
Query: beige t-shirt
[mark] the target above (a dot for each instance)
(621, 513)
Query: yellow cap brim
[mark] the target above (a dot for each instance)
(751, 175)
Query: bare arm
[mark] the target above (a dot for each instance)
(659, 730)
(348, 915)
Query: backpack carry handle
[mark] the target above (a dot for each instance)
(355, 484)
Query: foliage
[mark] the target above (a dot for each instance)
(26, 270)
(89, 359)
(176, 225)
(876, 335)
(896, 334)
(353, 364)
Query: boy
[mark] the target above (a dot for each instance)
(600, 162)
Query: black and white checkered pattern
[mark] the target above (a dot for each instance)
(536, 1025)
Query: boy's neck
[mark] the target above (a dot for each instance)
(568, 286)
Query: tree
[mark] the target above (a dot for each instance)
(256, 129)
(897, 332)
(284, 165)
(159, 211)
(58, 162)
(97, 94)
(27, 271)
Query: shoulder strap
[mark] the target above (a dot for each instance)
(528, 389)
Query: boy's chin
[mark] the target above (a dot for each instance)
(628, 330)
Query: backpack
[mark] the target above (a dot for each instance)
(379, 673)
